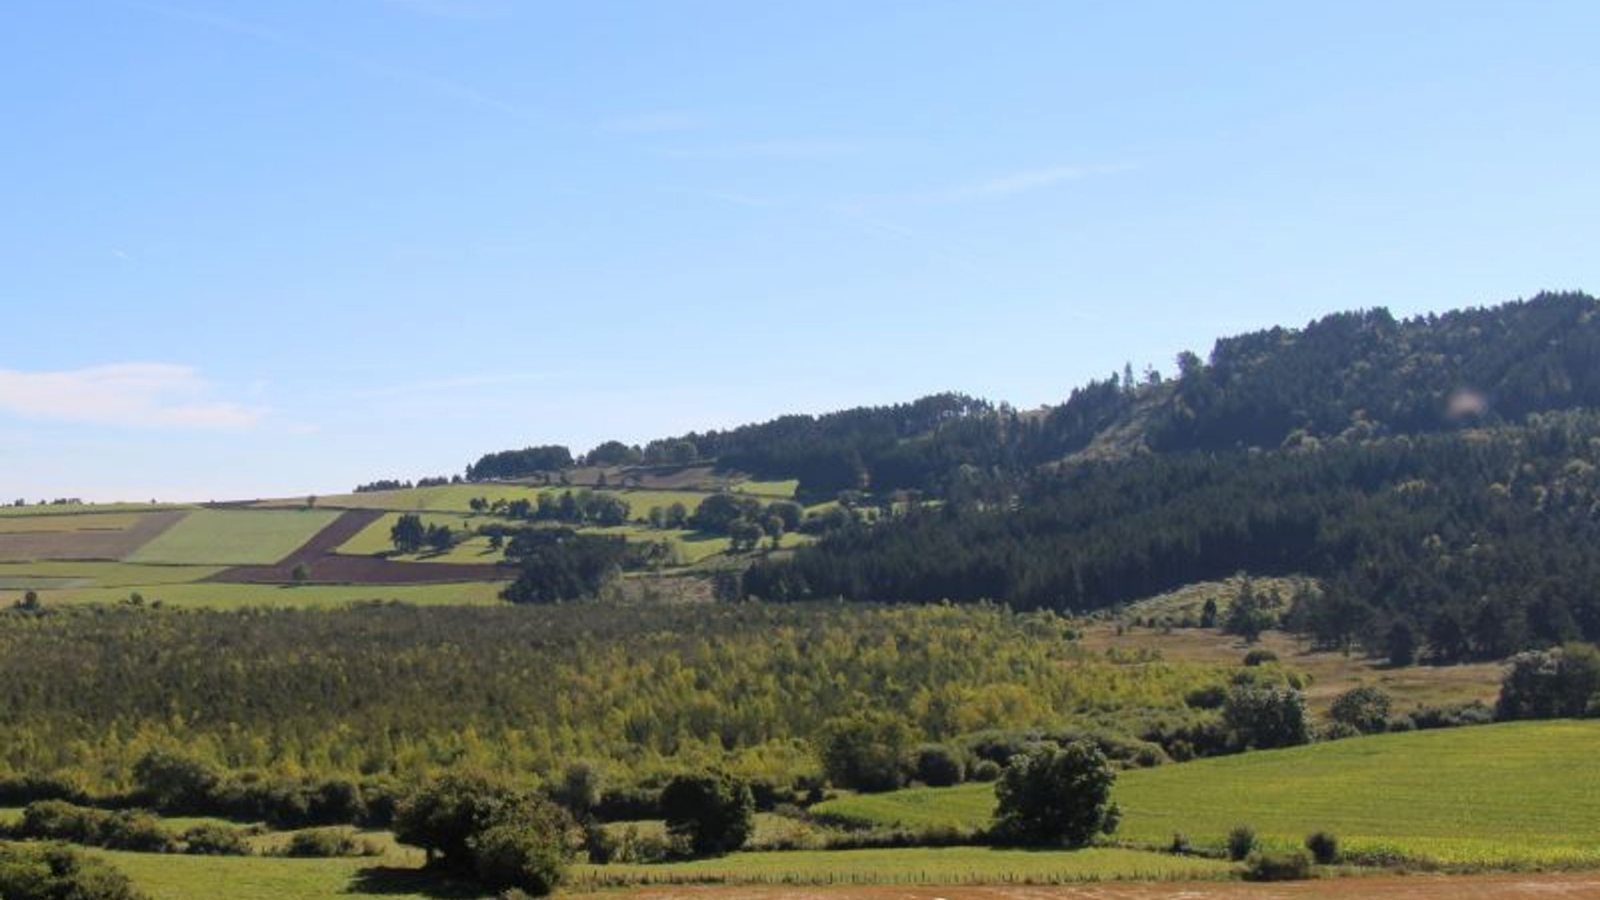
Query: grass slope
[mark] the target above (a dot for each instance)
(233, 537)
(914, 865)
(169, 877)
(1517, 794)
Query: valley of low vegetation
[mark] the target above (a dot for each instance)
(1228, 624)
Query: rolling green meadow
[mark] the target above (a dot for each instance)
(1520, 794)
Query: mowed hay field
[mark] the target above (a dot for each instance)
(1516, 794)
(233, 537)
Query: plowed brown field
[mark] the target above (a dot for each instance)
(89, 543)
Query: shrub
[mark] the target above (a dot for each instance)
(1291, 866)
(986, 770)
(215, 840)
(714, 813)
(1180, 844)
(327, 843)
(56, 872)
(1545, 684)
(1263, 717)
(1054, 796)
(1241, 842)
(1474, 713)
(138, 831)
(1365, 709)
(443, 815)
(866, 753)
(1259, 657)
(513, 856)
(174, 782)
(939, 766)
(1324, 847)
(58, 820)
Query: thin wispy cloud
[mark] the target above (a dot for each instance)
(151, 395)
(1024, 182)
(428, 84)
(123, 255)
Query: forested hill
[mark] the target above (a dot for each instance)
(1359, 375)
(1439, 476)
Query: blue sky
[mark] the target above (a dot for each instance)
(258, 248)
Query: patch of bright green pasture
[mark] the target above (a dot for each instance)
(115, 521)
(10, 815)
(69, 573)
(217, 595)
(691, 546)
(375, 539)
(173, 877)
(776, 490)
(444, 498)
(770, 831)
(234, 537)
(1516, 794)
(913, 865)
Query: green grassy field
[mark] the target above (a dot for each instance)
(375, 539)
(105, 521)
(233, 537)
(1521, 794)
(230, 596)
(100, 574)
(914, 865)
(84, 509)
(169, 877)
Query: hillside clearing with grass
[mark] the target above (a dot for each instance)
(1518, 794)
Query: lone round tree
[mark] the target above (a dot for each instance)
(1055, 796)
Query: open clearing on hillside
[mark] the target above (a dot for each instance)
(1515, 794)
(1332, 673)
(234, 537)
(90, 543)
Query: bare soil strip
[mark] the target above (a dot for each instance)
(87, 545)
(1498, 886)
(327, 567)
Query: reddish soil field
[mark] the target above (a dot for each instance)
(1499, 886)
(328, 567)
(98, 543)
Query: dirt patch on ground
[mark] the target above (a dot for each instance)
(327, 567)
(1502, 886)
(88, 544)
